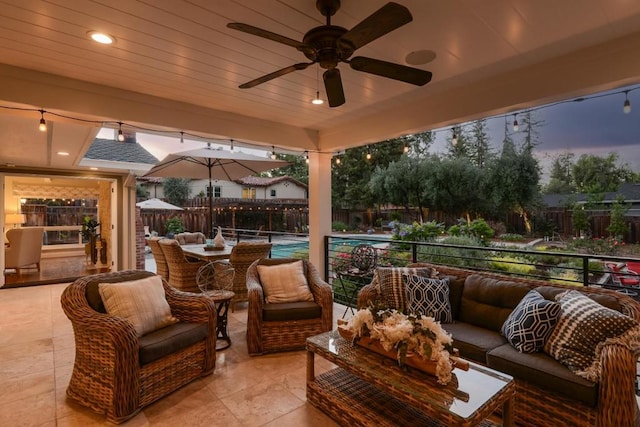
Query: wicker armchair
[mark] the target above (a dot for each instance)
(161, 262)
(291, 334)
(108, 374)
(182, 271)
(242, 256)
(188, 238)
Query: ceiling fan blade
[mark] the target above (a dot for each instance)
(333, 87)
(271, 76)
(415, 76)
(383, 21)
(302, 47)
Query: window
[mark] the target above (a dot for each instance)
(217, 191)
(248, 193)
(273, 193)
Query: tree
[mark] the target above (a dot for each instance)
(350, 179)
(531, 131)
(419, 143)
(460, 147)
(561, 177)
(176, 190)
(515, 181)
(298, 169)
(595, 174)
(479, 149)
(618, 226)
(403, 183)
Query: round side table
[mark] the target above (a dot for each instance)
(222, 299)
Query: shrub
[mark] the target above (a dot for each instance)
(418, 232)
(509, 264)
(339, 226)
(512, 237)
(454, 256)
(595, 246)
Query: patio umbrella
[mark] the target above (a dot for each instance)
(213, 164)
(157, 205)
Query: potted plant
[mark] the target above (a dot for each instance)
(89, 232)
(174, 226)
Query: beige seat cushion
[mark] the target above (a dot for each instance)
(142, 302)
(284, 283)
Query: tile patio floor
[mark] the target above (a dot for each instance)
(36, 359)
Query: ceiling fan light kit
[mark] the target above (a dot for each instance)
(328, 45)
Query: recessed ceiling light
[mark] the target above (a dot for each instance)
(93, 168)
(420, 57)
(101, 38)
(62, 153)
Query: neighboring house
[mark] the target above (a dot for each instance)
(251, 187)
(630, 193)
(126, 155)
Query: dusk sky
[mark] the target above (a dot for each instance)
(596, 125)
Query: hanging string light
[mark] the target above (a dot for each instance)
(515, 122)
(181, 137)
(338, 161)
(405, 149)
(306, 157)
(273, 152)
(626, 108)
(231, 147)
(368, 153)
(43, 123)
(120, 134)
(454, 137)
(317, 100)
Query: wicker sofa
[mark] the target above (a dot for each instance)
(117, 373)
(548, 393)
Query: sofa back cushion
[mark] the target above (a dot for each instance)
(487, 302)
(550, 292)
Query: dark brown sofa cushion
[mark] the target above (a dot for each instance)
(543, 371)
(487, 302)
(550, 292)
(283, 312)
(165, 341)
(474, 342)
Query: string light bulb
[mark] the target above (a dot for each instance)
(181, 137)
(454, 137)
(120, 134)
(338, 160)
(405, 149)
(306, 157)
(368, 153)
(273, 152)
(626, 108)
(515, 123)
(231, 147)
(43, 123)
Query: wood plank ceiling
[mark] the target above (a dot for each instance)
(176, 66)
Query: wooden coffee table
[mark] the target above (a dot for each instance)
(369, 389)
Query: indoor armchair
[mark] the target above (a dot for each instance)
(25, 248)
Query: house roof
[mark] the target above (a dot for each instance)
(629, 192)
(260, 181)
(110, 150)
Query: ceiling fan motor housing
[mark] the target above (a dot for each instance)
(328, 53)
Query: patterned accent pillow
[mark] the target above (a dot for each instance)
(392, 288)
(142, 302)
(531, 323)
(429, 297)
(583, 324)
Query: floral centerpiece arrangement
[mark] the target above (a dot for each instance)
(409, 336)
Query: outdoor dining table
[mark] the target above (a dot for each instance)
(198, 251)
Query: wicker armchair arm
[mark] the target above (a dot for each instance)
(322, 294)
(190, 307)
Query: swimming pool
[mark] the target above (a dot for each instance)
(286, 249)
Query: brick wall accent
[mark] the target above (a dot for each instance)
(140, 241)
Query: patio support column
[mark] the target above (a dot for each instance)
(319, 206)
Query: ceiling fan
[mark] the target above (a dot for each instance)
(328, 45)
